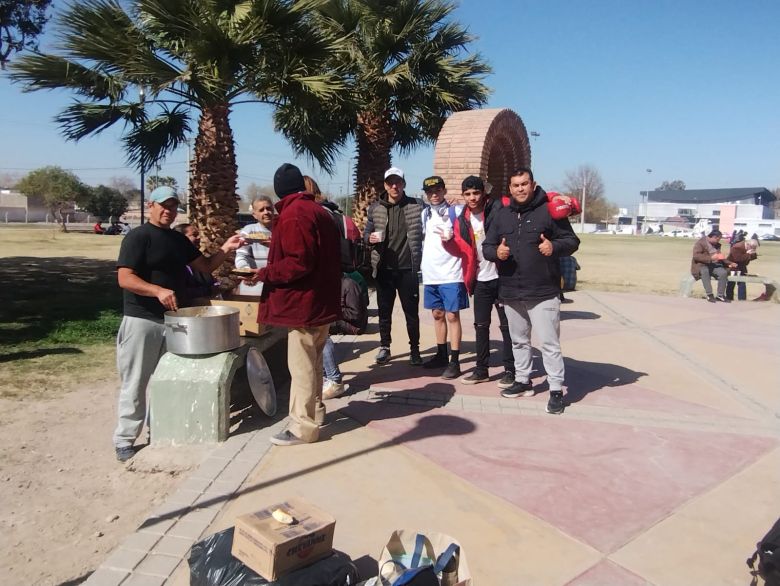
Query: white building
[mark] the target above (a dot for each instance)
(749, 209)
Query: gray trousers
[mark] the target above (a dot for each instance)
(139, 345)
(719, 273)
(545, 319)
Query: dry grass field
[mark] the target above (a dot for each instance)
(60, 305)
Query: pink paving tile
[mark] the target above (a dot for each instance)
(601, 483)
(607, 573)
(590, 383)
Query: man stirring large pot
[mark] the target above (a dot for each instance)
(151, 270)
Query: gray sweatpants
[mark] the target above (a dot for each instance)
(545, 319)
(721, 274)
(139, 345)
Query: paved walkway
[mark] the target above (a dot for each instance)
(663, 469)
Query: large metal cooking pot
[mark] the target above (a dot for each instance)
(202, 330)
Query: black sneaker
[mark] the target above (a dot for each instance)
(475, 377)
(125, 453)
(723, 299)
(518, 390)
(437, 361)
(452, 371)
(383, 356)
(711, 298)
(414, 358)
(507, 380)
(555, 404)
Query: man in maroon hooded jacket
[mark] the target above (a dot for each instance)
(302, 292)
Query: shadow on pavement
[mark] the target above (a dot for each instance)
(586, 377)
(428, 426)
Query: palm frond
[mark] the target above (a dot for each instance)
(39, 72)
(83, 119)
(155, 138)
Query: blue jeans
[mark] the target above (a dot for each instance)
(329, 365)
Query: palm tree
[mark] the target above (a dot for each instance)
(407, 77)
(189, 57)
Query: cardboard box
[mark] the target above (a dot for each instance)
(273, 549)
(248, 307)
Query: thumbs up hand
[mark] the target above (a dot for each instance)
(502, 251)
(545, 247)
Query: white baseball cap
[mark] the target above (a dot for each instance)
(395, 171)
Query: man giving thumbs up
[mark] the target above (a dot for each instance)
(525, 242)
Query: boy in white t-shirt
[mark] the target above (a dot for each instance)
(482, 280)
(444, 292)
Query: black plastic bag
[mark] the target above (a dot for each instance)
(212, 564)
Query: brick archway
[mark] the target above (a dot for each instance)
(490, 143)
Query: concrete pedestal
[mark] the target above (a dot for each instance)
(189, 396)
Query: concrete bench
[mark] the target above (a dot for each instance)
(770, 285)
(687, 282)
(189, 396)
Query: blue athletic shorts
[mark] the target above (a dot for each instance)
(450, 297)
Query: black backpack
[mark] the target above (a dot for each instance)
(768, 555)
(355, 254)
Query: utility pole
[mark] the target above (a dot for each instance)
(141, 96)
(584, 193)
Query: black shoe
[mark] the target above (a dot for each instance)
(507, 380)
(477, 376)
(723, 299)
(452, 371)
(711, 298)
(383, 356)
(125, 453)
(414, 358)
(518, 390)
(555, 404)
(437, 361)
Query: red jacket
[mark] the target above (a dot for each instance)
(302, 281)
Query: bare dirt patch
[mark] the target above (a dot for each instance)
(65, 502)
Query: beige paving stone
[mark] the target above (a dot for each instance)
(106, 577)
(158, 565)
(398, 488)
(707, 540)
(663, 371)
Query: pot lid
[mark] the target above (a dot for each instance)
(260, 382)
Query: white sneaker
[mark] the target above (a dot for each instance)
(332, 389)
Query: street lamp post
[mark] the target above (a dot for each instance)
(141, 96)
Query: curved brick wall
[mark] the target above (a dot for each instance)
(489, 143)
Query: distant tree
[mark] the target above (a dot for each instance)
(676, 185)
(587, 180)
(155, 181)
(57, 188)
(254, 190)
(105, 202)
(128, 187)
(21, 21)
(9, 180)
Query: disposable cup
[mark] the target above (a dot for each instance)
(379, 235)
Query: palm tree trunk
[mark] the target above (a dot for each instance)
(374, 138)
(213, 204)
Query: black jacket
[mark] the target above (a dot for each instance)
(527, 274)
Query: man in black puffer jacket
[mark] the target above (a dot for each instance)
(525, 242)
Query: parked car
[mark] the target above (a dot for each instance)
(770, 237)
(679, 234)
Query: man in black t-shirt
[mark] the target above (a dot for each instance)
(151, 271)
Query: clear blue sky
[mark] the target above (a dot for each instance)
(689, 89)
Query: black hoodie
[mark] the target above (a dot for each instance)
(527, 274)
